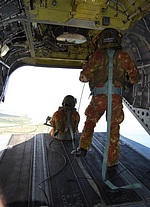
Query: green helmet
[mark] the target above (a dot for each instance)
(110, 38)
(69, 101)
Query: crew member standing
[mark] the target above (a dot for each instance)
(95, 71)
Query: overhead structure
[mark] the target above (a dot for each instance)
(63, 33)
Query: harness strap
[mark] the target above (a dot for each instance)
(104, 90)
(109, 92)
(66, 134)
(109, 110)
(70, 128)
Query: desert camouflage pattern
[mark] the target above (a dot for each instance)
(95, 71)
(59, 122)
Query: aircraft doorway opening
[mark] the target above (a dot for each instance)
(38, 92)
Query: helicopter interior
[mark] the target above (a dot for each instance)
(55, 33)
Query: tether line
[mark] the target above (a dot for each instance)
(109, 112)
(81, 96)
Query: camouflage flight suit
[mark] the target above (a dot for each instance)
(95, 71)
(58, 121)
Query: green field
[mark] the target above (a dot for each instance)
(13, 120)
(20, 124)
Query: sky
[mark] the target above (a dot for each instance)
(38, 92)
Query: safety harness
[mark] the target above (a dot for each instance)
(103, 90)
(110, 91)
(67, 133)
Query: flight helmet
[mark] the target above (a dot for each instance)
(110, 38)
(69, 101)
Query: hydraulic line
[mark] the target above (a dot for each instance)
(1, 62)
(140, 10)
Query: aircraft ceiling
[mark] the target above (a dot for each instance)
(62, 33)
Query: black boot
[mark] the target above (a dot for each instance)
(79, 152)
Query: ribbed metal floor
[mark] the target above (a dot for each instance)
(40, 171)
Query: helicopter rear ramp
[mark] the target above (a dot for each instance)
(37, 170)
